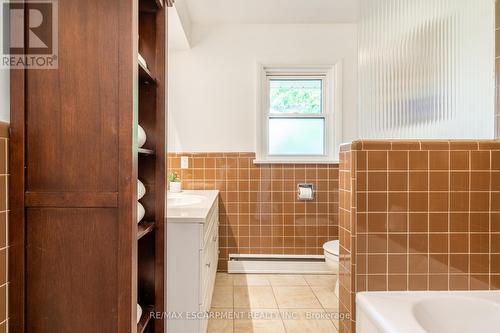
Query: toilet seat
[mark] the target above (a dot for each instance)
(332, 247)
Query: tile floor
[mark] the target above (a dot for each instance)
(251, 303)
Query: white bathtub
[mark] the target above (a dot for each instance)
(428, 311)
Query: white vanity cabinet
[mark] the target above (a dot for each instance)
(192, 256)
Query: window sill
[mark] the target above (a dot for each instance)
(295, 162)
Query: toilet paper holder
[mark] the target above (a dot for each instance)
(305, 186)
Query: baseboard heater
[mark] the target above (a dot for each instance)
(277, 264)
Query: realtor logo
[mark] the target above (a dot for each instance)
(29, 34)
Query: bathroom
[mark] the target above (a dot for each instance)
(267, 166)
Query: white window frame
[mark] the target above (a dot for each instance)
(332, 108)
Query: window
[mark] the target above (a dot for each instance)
(299, 115)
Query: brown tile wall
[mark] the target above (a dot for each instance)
(427, 217)
(4, 177)
(347, 214)
(497, 68)
(259, 211)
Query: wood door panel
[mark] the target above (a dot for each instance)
(72, 268)
(73, 112)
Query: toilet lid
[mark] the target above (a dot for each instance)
(332, 247)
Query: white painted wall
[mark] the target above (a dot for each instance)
(5, 95)
(4, 81)
(212, 86)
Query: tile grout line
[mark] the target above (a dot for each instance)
(407, 245)
(489, 221)
(468, 222)
(448, 256)
(278, 306)
(428, 215)
(326, 310)
(312, 290)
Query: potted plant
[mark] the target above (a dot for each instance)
(174, 182)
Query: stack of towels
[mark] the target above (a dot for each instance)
(141, 189)
(139, 313)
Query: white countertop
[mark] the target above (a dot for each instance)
(192, 213)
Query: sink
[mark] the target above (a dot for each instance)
(182, 200)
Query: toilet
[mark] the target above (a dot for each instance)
(331, 251)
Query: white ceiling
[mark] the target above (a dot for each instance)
(273, 11)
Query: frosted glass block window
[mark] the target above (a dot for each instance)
(298, 112)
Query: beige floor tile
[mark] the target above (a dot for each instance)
(287, 280)
(221, 321)
(250, 280)
(224, 279)
(259, 326)
(220, 326)
(334, 315)
(307, 321)
(258, 321)
(296, 298)
(222, 297)
(327, 297)
(321, 280)
(254, 297)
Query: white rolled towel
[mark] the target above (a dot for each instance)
(141, 190)
(139, 313)
(141, 59)
(140, 212)
(141, 137)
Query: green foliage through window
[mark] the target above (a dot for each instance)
(295, 96)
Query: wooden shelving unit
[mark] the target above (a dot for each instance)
(145, 151)
(151, 161)
(90, 274)
(145, 228)
(145, 76)
(152, 5)
(145, 319)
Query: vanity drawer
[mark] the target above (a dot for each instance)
(211, 222)
(208, 268)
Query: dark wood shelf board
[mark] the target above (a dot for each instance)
(145, 319)
(145, 75)
(144, 228)
(146, 151)
(159, 3)
(151, 6)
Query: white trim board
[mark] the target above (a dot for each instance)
(277, 264)
(332, 80)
